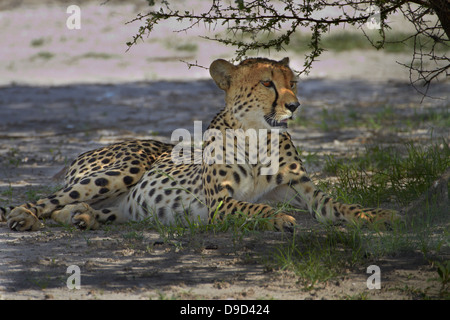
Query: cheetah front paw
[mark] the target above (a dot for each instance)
(390, 217)
(82, 216)
(284, 222)
(22, 219)
(379, 218)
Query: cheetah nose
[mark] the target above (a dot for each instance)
(292, 106)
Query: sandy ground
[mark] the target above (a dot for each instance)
(66, 91)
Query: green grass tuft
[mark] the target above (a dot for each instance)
(385, 174)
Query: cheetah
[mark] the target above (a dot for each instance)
(136, 180)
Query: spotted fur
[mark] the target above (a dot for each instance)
(137, 180)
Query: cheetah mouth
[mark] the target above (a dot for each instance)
(274, 123)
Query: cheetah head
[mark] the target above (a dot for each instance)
(261, 93)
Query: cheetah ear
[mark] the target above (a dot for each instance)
(285, 61)
(221, 71)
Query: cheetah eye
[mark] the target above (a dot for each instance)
(293, 84)
(267, 84)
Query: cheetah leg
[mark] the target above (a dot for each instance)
(279, 221)
(323, 208)
(26, 217)
(83, 216)
(302, 193)
(23, 219)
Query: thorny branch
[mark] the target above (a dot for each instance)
(265, 24)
